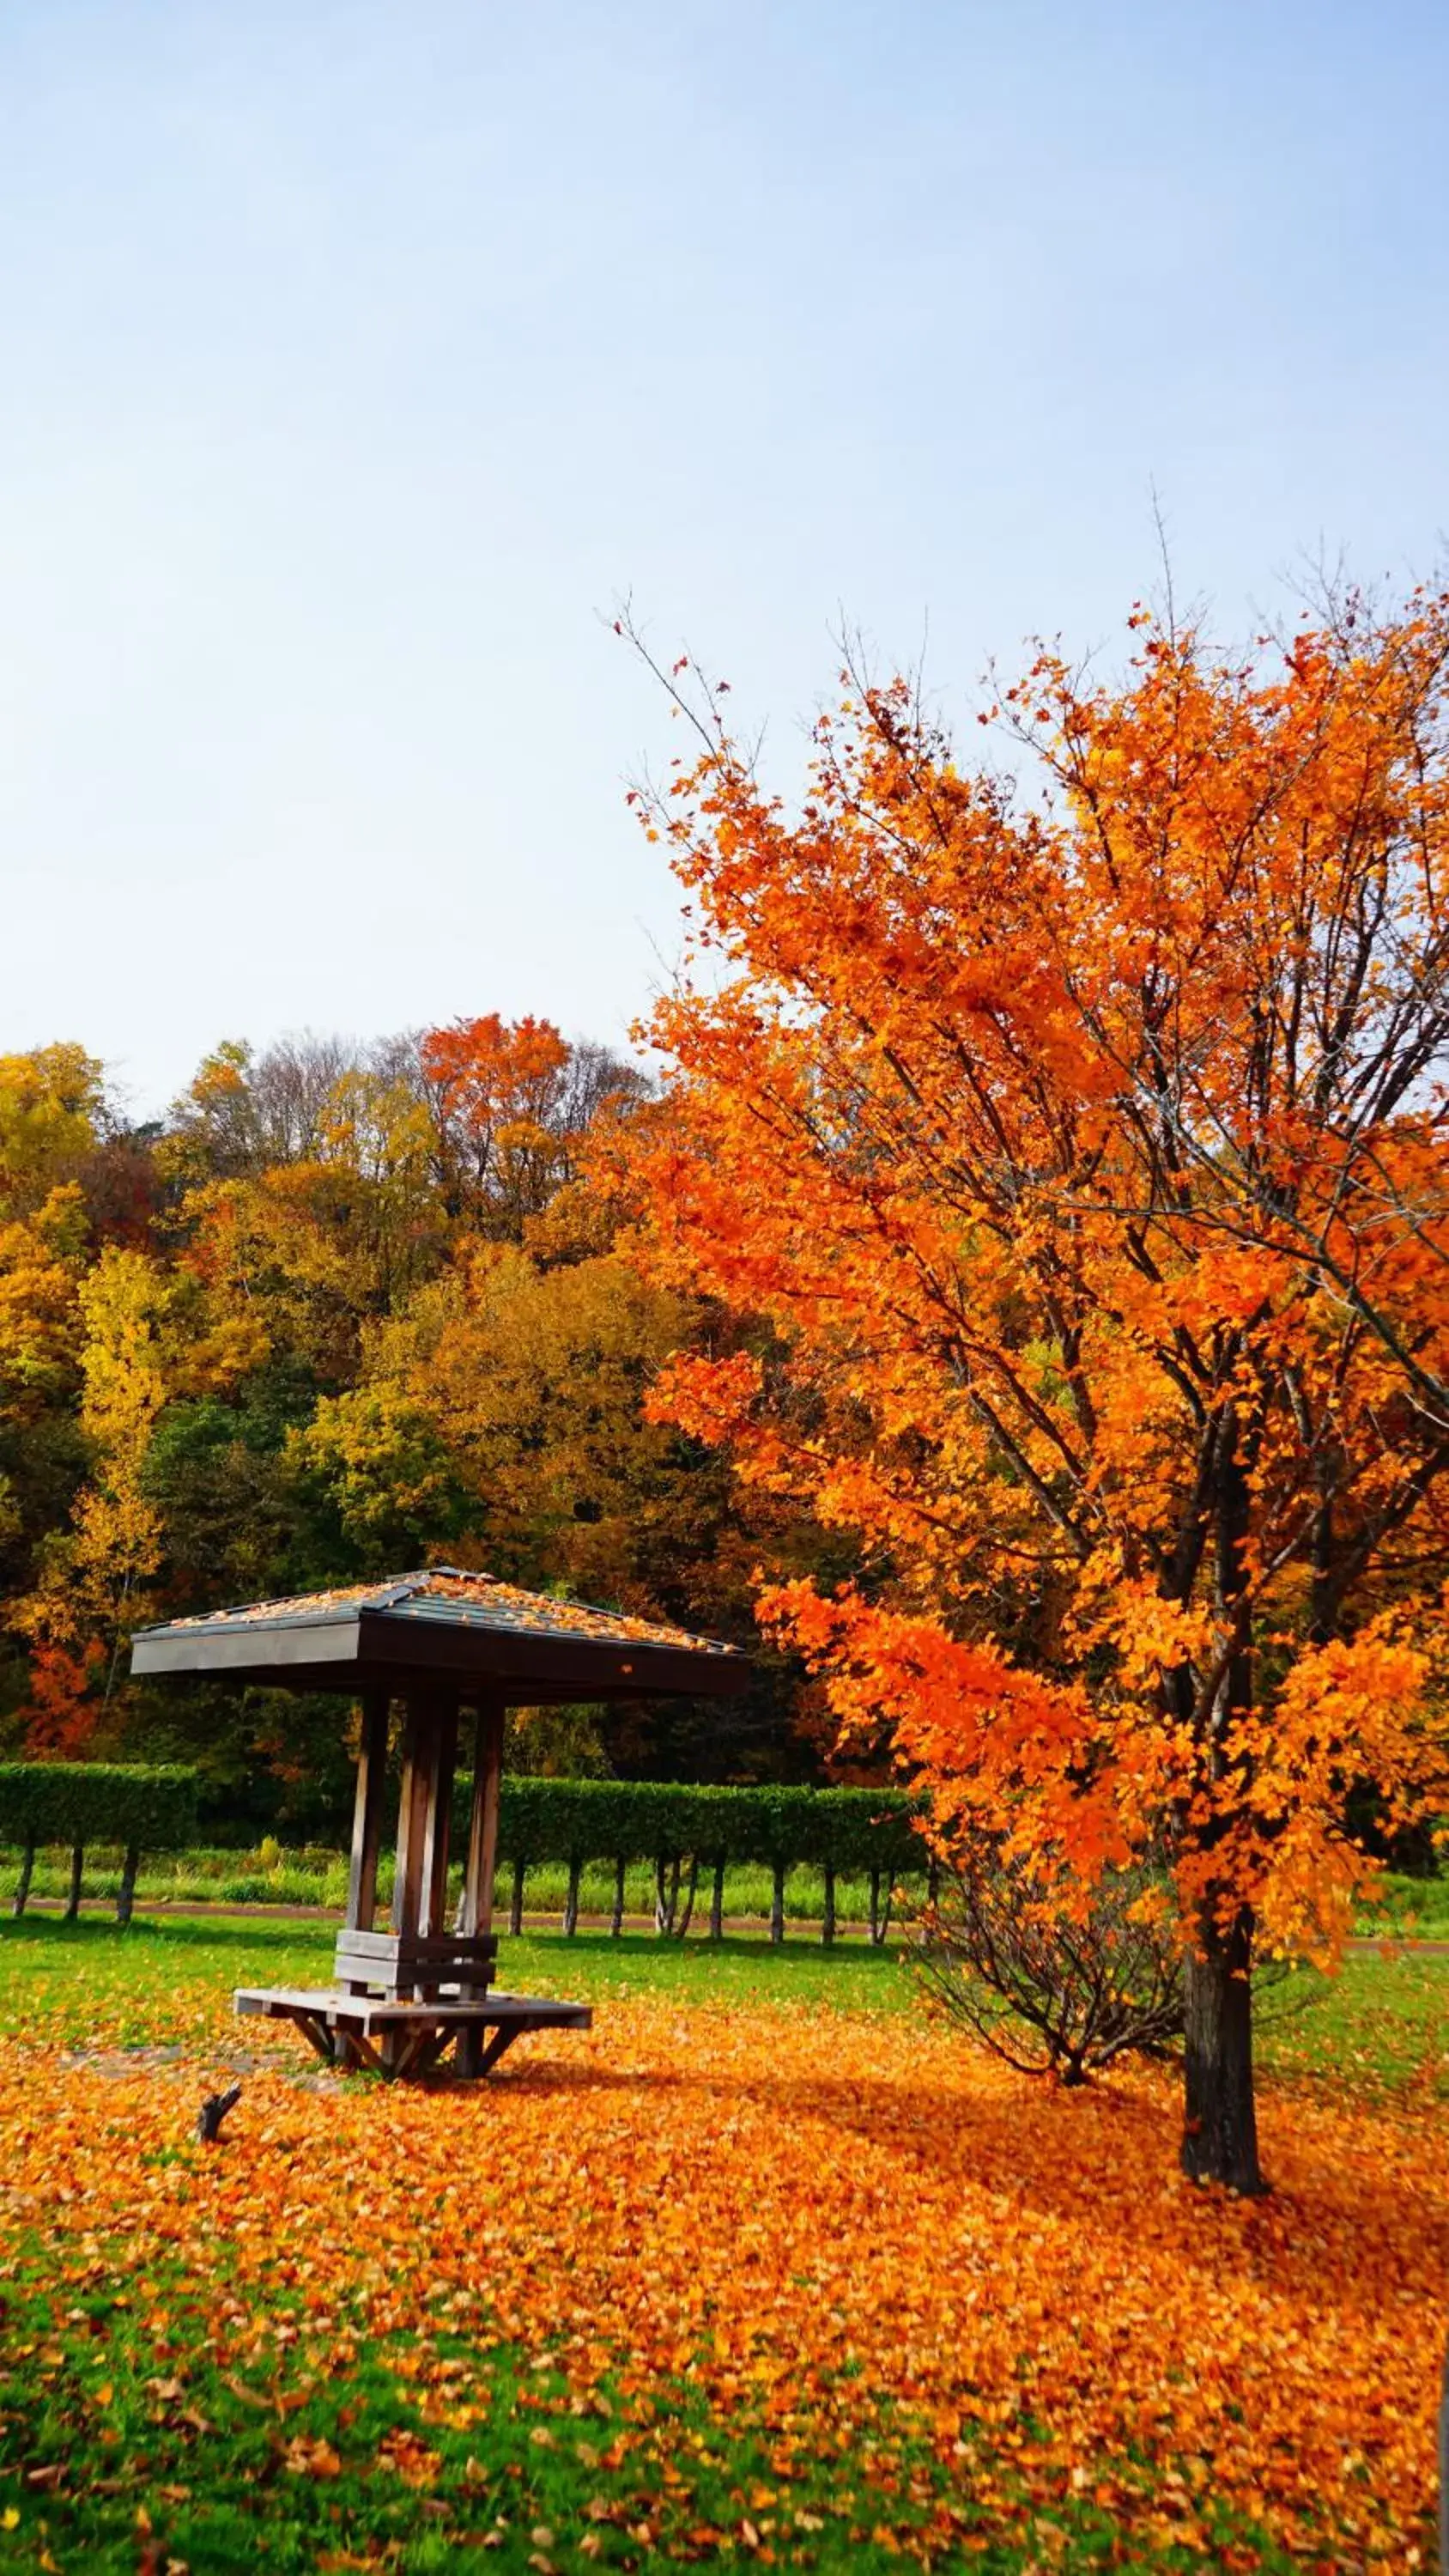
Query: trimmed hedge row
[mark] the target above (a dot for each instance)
(679, 1827)
(142, 1807)
(868, 1832)
(565, 1820)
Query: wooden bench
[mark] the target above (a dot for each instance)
(395, 2037)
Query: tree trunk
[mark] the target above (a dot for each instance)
(515, 1910)
(716, 1903)
(126, 1893)
(682, 1926)
(616, 1920)
(827, 1919)
(880, 1915)
(1220, 2130)
(571, 1900)
(777, 1903)
(22, 1889)
(72, 1902)
(666, 1894)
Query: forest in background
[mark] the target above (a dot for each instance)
(345, 1310)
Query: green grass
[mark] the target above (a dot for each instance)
(1417, 1907)
(1380, 2027)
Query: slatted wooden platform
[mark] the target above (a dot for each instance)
(396, 2038)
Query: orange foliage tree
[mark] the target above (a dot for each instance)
(1085, 1154)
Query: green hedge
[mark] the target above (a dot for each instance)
(142, 1807)
(868, 1832)
(581, 1820)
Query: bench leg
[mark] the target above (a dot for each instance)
(319, 2036)
(502, 2040)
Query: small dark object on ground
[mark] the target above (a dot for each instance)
(213, 2111)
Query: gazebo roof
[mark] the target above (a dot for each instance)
(453, 1628)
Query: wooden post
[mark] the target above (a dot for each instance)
(438, 1817)
(367, 1813)
(412, 1815)
(475, 1915)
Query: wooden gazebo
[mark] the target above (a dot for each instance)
(441, 1644)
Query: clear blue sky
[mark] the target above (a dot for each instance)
(355, 358)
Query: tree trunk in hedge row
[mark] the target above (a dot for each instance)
(827, 1919)
(73, 1897)
(879, 1915)
(571, 1900)
(777, 1903)
(716, 1903)
(666, 1894)
(682, 1926)
(22, 1892)
(126, 1893)
(515, 1910)
(616, 1921)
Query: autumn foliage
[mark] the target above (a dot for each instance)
(1080, 1149)
(349, 1308)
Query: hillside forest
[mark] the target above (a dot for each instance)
(344, 1310)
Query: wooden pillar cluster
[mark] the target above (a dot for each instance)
(421, 1956)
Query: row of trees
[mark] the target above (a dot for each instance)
(346, 1308)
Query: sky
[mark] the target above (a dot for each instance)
(356, 360)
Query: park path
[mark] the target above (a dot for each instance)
(796, 1928)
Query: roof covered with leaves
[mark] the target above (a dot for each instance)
(443, 1595)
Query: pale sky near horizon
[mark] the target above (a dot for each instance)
(357, 358)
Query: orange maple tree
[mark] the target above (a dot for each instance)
(1084, 1153)
(496, 1088)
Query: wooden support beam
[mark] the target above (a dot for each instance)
(315, 2030)
(501, 2041)
(417, 1768)
(367, 1813)
(475, 1913)
(438, 1814)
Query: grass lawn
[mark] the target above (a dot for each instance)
(764, 2270)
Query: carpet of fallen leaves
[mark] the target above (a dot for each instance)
(790, 2210)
